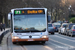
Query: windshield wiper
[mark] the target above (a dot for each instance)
(26, 31)
(35, 31)
(19, 31)
(30, 30)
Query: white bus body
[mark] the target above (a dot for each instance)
(29, 24)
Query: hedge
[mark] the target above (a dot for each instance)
(72, 20)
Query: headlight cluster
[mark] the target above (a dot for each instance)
(44, 36)
(15, 37)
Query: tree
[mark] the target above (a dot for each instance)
(72, 20)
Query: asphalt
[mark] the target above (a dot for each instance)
(1, 32)
(56, 42)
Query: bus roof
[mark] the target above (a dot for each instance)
(26, 8)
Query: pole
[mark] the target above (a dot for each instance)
(3, 19)
(69, 12)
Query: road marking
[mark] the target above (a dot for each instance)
(58, 46)
(48, 47)
(65, 38)
(23, 48)
(53, 44)
(62, 43)
(64, 48)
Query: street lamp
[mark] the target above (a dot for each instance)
(69, 11)
(69, 7)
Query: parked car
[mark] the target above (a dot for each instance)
(68, 28)
(57, 26)
(62, 28)
(60, 22)
(51, 28)
(72, 31)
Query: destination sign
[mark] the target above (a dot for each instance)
(30, 11)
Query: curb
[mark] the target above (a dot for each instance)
(4, 42)
(2, 35)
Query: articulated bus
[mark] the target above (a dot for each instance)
(29, 24)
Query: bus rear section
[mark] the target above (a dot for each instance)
(29, 24)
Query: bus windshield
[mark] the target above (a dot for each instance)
(29, 23)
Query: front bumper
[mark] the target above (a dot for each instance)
(36, 39)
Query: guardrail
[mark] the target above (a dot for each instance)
(2, 34)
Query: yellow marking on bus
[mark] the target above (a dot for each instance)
(34, 11)
(23, 12)
(40, 11)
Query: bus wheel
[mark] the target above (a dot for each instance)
(14, 42)
(43, 42)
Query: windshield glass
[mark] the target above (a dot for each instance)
(70, 25)
(57, 26)
(29, 23)
(65, 25)
(49, 25)
(74, 28)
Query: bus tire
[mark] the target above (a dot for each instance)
(14, 42)
(43, 42)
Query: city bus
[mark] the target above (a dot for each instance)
(29, 24)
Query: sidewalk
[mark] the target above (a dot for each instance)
(1, 33)
(4, 30)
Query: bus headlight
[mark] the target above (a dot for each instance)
(15, 37)
(44, 36)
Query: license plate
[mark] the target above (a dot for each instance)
(30, 40)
